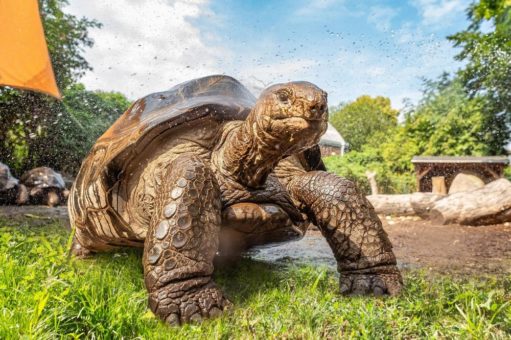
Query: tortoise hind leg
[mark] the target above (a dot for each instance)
(53, 198)
(181, 244)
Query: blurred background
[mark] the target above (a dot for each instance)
(405, 78)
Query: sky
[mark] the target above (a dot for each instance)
(348, 48)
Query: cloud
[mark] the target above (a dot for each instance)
(382, 17)
(312, 7)
(150, 45)
(439, 11)
(147, 46)
(257, 78)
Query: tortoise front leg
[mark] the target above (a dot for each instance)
(52, 198)
(181, 243)
(353, 230)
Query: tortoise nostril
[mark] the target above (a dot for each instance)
(317, 109)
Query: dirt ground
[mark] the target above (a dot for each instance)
(485, 249)
(417, 243)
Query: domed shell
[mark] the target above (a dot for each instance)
(43, 177)
(217, 97)
(7, 181)
(221, 97)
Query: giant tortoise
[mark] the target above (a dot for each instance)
(205, 169)
(11, 191)
(45, 186)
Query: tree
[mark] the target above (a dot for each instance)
(448, 122)
(366, 119)
(30, 119)
(487, 53)
(445, 122)
(88, 115)
(66, 37)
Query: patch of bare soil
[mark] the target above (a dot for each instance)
(451, 248)
(418, 244)
(36, 215)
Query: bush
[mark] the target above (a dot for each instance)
(445, 122)
(58, 134)
(355, 164)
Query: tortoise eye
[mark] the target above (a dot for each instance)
(283, 96)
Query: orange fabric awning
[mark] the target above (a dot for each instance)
(24, 59)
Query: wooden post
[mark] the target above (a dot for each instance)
(371, 177)
(421, 170)
(438, 183)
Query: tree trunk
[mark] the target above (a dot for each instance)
(490, 204)
(418, 203)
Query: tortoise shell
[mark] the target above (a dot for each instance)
(217, 97)
(221, 97)
(7, 181)
(43, 177)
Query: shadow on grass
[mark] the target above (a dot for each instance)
(240, 279)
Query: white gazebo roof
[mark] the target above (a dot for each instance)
(332, 137)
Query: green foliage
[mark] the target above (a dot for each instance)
(468, 114)
(39, 130)
(61, 134)
(45, 294)
(448, 122)
(364, 119)
(66, 37)
(488, 53)
(445, 122)
(89, 114)
(356, 163)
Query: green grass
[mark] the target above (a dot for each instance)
(46, 294)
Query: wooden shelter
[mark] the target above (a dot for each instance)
(332, 143)
(436, 173)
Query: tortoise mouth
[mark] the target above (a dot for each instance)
(300, 123)
(319, 118)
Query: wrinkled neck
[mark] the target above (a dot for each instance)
(248, 154)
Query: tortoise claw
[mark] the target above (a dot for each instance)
(191, 307)
(173, 319)
(375, 281)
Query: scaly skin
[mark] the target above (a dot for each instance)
(353, 231)
(287, 119)
(260, 160)
(181, 243)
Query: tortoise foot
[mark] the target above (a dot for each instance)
(176, 307)
(79, 251)
(52, 199)
(384, 280)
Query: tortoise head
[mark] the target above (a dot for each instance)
(286, 119)
(291, 116)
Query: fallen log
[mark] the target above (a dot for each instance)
(490, 204)
(419, 203)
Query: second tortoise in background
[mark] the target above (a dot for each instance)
(45, 186)
(11, 190)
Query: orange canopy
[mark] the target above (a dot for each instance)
(24, 58)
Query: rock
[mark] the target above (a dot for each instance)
(465, 182)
